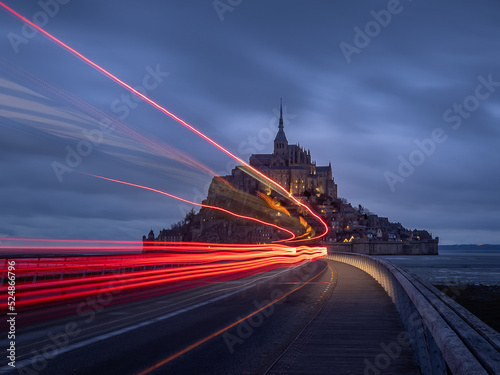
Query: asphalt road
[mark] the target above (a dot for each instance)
(236, 327)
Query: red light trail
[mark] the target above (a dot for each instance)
(54, 280)
(147, 141)
(196, 204)
(217, 333)
(165, 111)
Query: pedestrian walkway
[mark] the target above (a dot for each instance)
(358, 331)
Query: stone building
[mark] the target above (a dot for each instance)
(291, 166)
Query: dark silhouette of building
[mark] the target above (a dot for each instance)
(291, 166)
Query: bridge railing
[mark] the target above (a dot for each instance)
(444, 335)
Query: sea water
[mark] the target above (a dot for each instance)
(459, 267)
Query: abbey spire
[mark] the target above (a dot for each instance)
(281, 114)
(280, 142)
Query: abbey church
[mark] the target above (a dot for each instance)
(290, 166)
(247, 194)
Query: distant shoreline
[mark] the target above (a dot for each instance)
(469, 247)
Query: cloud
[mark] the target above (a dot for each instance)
(226, 77)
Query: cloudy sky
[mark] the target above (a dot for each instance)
(402, 97)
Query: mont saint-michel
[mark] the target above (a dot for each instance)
(351, 228)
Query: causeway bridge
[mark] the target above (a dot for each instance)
(344, 314)
(382, 320)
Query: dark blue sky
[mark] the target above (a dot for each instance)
(363, 86)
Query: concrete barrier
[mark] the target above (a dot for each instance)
(444, 335)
